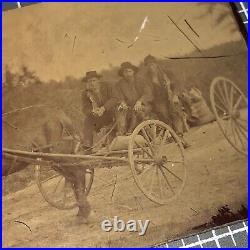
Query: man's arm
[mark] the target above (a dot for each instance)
(113, 98)
(86, 104)
(146, 90)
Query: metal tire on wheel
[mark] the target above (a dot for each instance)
(230, 105)
(56, 189)
(163, 175)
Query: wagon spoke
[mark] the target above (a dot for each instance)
(144, 149)
(64, 193)
(164, 138)
(237, 104)
(226, 94)
(220, 108)
(146, 169)
(239, 136)
(175, 161)
(161, 133)
(231, 98)
(147, 139)
(147, 173)
(57, 185)
(221, 102)
(241, 129)
(166, 179)
(233, 131)
(227, 127)
(172, 173)
(153, 130)
(222, 96)
(52, 177)
(225, 117)
(242, 126)
(242, 120)
(152, 183)
(159, 181)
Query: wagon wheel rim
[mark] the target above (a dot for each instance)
(57, 190)
(163, 177)
(228, 103)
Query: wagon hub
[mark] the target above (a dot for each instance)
(235, 114)
(159, 159)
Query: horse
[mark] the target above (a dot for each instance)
(54, 133)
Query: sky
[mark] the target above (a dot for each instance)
(60, 39)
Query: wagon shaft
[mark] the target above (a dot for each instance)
(25, 159)
(62, 158)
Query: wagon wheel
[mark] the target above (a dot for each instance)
(163, 175)
(229, 105)
(57, 190)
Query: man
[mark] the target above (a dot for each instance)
(165, 102)
(133, 99)
(99, 102)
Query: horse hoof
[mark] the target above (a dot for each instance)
(82, 220)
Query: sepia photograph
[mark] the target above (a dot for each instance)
(123, 124)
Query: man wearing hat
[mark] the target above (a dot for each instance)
(133, 98)
(98, 105)
(165, 102)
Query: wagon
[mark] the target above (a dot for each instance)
(230, 107)
(153, 152)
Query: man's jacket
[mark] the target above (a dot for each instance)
(131, 92)
(106, 98)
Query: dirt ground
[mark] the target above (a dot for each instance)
(217, 175)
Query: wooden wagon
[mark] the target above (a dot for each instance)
(153, 152)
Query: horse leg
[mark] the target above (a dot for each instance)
(80, 191)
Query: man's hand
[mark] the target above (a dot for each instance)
(176, 99)
(95, 111)
(101, 111)
(122, 106)
(166, 83)
(138, 106)
(98, 111)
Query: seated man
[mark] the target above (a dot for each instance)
(99, 103)
(165, 102)
(133, 99)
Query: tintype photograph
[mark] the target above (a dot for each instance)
(123, 124)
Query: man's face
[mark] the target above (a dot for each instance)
(128, 73)
(153, 67)
(93, 84)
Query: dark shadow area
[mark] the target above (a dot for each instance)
(224, 216)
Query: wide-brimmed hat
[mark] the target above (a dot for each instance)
(91, 74)
(127, 65)
(149, 59)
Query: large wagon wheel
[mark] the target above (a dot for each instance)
(57, 190)
(163, 175)
(230, 105)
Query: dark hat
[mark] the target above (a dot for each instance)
(149, 59)
(91, 74)
(127, 65)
